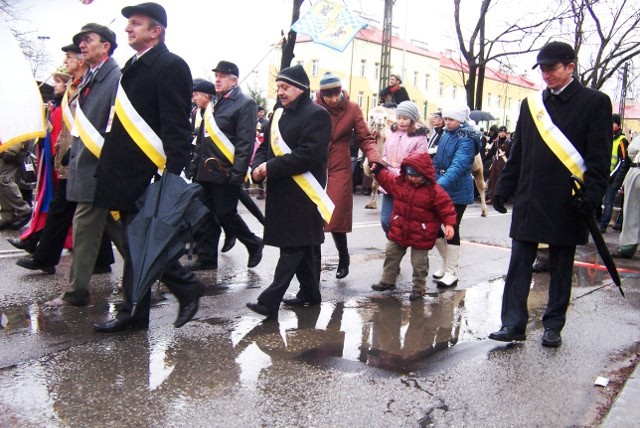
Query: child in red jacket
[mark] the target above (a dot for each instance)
(420, 206)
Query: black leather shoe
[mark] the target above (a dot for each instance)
(28, 245)
(261, 309)
(255, 256)
(187, 312)
(382, 286)
(97, 270)
(296, 301)
(229, 242)
(551, 338)
(508, 334)
(20, 221)
(620, 255)
(29, 263)
(201, 265)
(115, 325)
(342, 272)
(540, 265)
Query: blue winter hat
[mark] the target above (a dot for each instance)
(330, 84)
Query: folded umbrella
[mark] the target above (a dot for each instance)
(598, 240)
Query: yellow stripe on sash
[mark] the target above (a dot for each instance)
(217, 136)
(67, 116)
(554, 138)
(139, 130)
(306, 181)
(87, 133)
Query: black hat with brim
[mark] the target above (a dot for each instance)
(71, 48)
(555, 52)
(100, 30)
(150, 9)
(227, 68)
(204, 86)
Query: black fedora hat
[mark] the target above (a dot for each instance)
(228, 68)
(150, 9)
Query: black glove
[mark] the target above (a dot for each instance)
(584, 206)
(498, 204)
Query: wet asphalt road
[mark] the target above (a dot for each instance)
(361, 358)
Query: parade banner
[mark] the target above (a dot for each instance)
(22, 109)
(330, 24)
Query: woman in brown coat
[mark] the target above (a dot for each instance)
(346, 120)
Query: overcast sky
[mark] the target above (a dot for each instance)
(242, 31)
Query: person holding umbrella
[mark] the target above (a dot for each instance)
(155, 90)
(562, 131)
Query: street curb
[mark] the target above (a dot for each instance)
(625, 411)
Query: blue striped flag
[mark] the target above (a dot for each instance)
(330, 24)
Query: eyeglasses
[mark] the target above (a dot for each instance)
(550, 68)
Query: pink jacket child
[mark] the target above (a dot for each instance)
(420, 205)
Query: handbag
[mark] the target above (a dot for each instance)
(26, 176)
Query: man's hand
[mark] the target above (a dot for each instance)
(448, 232)
(260, 172)
(498, 204)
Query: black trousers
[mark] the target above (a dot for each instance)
(180, 281)
(518, 282)
(56, 228)
(304, 263)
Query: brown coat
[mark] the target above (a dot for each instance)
(346, 119)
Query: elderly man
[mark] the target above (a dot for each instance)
(556, 137)
(224, 156)
(294, 153)
(96, 95)
(157, 85)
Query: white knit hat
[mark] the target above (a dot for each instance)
(456, 111)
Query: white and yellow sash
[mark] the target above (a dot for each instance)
(554, 138)
(139, 130)
(213, 132)
(67, 115)
(306, 181)
(88, 134)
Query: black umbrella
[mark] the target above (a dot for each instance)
(169, 210)
(601, 246)
(481, 116)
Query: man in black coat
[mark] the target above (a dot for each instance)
(395, 93)
(292, 220)
(158, 84)
(544, 209)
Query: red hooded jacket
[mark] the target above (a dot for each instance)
(418, 210)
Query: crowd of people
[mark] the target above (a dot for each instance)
(116, 129)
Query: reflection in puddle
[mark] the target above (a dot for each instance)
(159, 369)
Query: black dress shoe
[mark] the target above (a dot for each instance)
(382, 286)
(255, 256)
(261, 309)
(229, 242)
(30, 263)
(20, 221)
(201, 265)
(620, 255)
(188, 311)
(342, 272)
(508, 334)
(28, 245)
(540, 265)
(296, 301)
(115, 325)
(551, 338)
(97, 270)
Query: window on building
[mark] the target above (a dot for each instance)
(360, 99)
(426, 81)
(376, 70)
(499, 101)
(375, 99)
(314, 67)
(441, 89)
(509, 101)
(454, 92)
(313, 94)
(363, 67)
(415, 78)
(488, 104)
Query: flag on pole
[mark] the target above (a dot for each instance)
(21, 105)
(330, 24)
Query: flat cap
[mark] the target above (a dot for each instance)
(150, 9)
(100, 30)
(227, 67)
(71, 48)
(555, 52)
(204, 86)
(502, 129)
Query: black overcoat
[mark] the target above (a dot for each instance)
(291, 218)
(159, 86)
(540, 183)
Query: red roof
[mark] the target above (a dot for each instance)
(632, 111)
(490, 73)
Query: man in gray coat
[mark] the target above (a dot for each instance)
(95, 98)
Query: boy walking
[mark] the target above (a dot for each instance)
(420, 206)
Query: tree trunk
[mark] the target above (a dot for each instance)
(287, 47)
